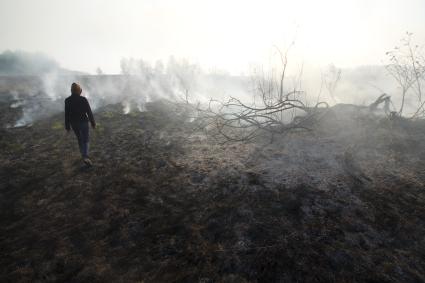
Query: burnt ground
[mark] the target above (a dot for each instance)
(344, 203)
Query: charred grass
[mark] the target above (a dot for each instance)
(163, 205)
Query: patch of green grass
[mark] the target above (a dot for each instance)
(108, 114)
(135, 113)
(12, 146)
(99, 128)
(57, 126)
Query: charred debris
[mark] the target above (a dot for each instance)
(340, 200)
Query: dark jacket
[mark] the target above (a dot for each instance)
(77, 109)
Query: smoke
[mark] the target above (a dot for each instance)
(41, 95)
(38, 86)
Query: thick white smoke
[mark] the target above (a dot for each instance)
(138, 84)
(40, 95)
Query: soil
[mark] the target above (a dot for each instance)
(162, 203)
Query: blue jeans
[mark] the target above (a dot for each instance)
(81, 131)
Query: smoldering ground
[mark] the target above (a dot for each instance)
(162, 203)
(340, 202)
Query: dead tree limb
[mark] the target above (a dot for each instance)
(272, 110)
(383, 98)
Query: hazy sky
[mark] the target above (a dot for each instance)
(223, 34)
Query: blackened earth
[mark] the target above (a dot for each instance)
(165, 204)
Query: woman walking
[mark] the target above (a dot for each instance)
(77, 116)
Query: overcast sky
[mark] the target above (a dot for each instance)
(223, 34)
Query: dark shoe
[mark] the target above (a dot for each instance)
(88, 162)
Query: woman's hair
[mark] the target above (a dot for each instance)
(76, 89)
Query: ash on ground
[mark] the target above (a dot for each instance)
(342, 203)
